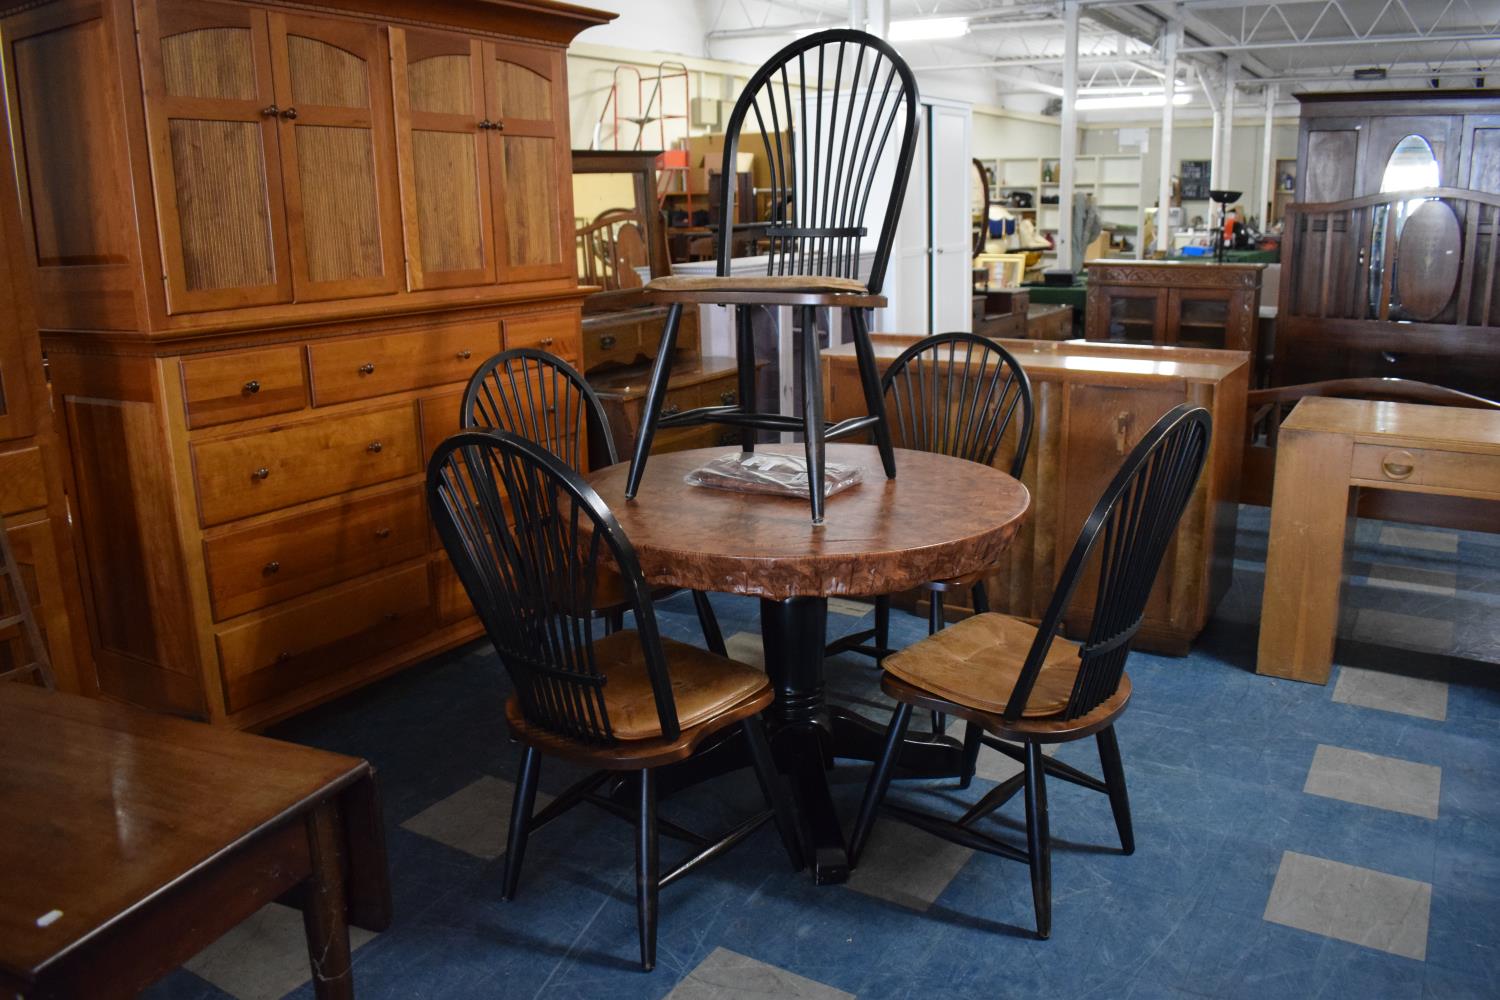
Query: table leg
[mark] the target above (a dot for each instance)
(323, 914)
(1304, 564)
(793, 633)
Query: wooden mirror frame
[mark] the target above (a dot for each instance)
(642, 165)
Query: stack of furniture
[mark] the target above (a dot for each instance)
(271, 242)
(1094, 402)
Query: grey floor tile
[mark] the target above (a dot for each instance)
(1413, 579)
(844, 606)
(1354, 904)
(727, 975)
(1391, 628)
(1370, 779)
(907, 866)
(265, 957)
(747, 648)
(1425, 699)
(1418, 538)
(475, 819)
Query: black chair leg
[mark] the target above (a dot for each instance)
(1038, 838)
(880, 782)
(981, 598)
(869, 380)
(709, 622)
(812, 410)
(656, 394)
(935, 625)
(614, 621)
(973, 743)
(647, 881)
(882, 626)
(1114, 778)
(520, 820)
(744, 338)
(774, 788)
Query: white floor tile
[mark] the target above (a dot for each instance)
(1425, 699)
(1359, 905)
(265, 957)
(1369, 779)
(727, 975)
(475, 819)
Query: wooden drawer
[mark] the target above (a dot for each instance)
(252, 567)
(448, 591)
(322, 635)
(1447, 471)
(556, 333)
(222, 388)
(614, 342)
(22, 484)
(269, 470)
(361, 367)
(439, 420)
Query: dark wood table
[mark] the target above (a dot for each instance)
(940, 517)
(130, 841)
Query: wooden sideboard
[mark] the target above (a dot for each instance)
(1093, 403)
(272, 242)
(1171, 302)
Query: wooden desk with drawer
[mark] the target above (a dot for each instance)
(1327, 449)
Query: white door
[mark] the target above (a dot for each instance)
(952, 169)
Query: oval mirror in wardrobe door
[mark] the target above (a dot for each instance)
(1427, 259)
(1411, 166)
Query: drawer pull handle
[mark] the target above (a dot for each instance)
(607, 341)
(368, 368)
(375, 447)
(382, 532)
(252, 386)
(1397, 467)
(465, 355)
(272, 567)
(671, 410)
(727, 398)
(391, 616)
(289, 114)
(547, 341)
(261, 473)
(270, 111)
(283, 656)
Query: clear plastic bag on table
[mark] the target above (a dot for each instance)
(768, 472)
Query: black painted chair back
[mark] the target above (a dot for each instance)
(527, 536)
(1130, 527)
(540, 397)
(958, 394)
(833, 111)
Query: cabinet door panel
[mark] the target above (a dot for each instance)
(529, 157)
(445, 174)
(338, 157)
(207, 75)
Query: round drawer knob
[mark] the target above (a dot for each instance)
(547, 341)
(1398, 465)
(607, 341)
(727, 398)
(261, 473)
(283, 656)
(382, 532)
(391, 616)
(272, 567)
(671, 410)
(367, 368)
(465, 355)
(375, 447)
(252, 386)
(289, 114)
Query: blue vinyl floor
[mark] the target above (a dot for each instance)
(1293, 840)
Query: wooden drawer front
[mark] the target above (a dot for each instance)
(343, 370)
(556, 333)
(255, 473)
(452, 600)
(322, 635)
(256, 566)
(719, 392)
(1447, 471)
(22, 485)
(616, 343)
(222, 388)
(439, 420)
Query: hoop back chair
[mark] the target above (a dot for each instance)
(1029, 686)
(832, 112)
(956, 394)
(22, 652)
(544, 399)
(528, 537)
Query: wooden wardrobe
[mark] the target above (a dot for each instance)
(271, 242)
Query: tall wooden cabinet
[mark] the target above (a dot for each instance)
(271, 242)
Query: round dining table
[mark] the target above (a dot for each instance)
(940, 517)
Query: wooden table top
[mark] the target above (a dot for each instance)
(1058, 360)
(940, 517)
(104, 807)
(1452, 428)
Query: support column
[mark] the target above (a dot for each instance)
(1267, 164)
(1216, 104)
(1171, 32)
(857, 15)
(1226, 159)
(1067, 253)
(880, 17)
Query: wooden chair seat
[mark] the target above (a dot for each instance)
(816, 283)
(1048, 729)
(976, 662)
(956, 583)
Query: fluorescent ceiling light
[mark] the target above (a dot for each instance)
(928, 28)
(1129, 101)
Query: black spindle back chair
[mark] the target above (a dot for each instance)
(544, 399)
(835, 115)
(528, 538)
(1059, 690)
